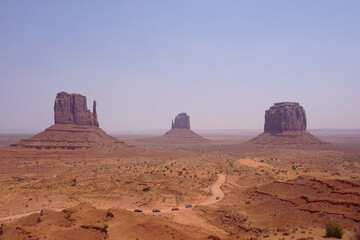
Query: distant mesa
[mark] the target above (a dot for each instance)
(179, 134)
(182, 121)
(75, 128)
(285, 124)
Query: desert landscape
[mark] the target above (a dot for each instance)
(179, 120)
(74, 181)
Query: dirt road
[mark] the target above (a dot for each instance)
(215, 189)
(20, 215)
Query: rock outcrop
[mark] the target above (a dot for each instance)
(75, 128)
(179, 134)
(285, 116)
(72, 109)
(182, 121)
(285, 124)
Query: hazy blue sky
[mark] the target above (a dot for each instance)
(222, 62)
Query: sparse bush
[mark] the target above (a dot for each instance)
(333, 229)
(109, 214)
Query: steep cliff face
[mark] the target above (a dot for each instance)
(182, 121)
(285, 124)
(285, 116)
(72, 109)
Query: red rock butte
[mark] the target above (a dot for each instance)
(75, 128)
(180, 132)
(72, 109)
(285, 124)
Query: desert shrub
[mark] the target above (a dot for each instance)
(109, 214)
(333, 229)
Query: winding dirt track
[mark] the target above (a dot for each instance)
(215, 189)
(20, 215)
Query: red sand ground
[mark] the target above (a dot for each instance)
(269, 192)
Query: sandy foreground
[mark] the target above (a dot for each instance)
(264, 193)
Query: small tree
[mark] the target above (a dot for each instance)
(333, 229)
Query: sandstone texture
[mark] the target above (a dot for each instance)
(285, 124)
(285, 116)
(72, 109)
(182, 121)
(75, 128)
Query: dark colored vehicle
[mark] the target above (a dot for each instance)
(155, 210)
(138, 210)
(217, 198)
(188, 206)
(175, 209)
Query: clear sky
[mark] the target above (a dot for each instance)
(222, 62)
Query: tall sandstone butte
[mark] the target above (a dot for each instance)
(285, 124)
(72, 109)
(75, 128)
(182, 121)
(285, 116)
(180, 132)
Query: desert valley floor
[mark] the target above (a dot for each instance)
(264, 192)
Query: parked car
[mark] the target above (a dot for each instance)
(217, 198)
(138, 210)
(175, 209)
(188, 206)
(156, 210)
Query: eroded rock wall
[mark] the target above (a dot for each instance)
(72, 109)
(182, 121)
(285, 116)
